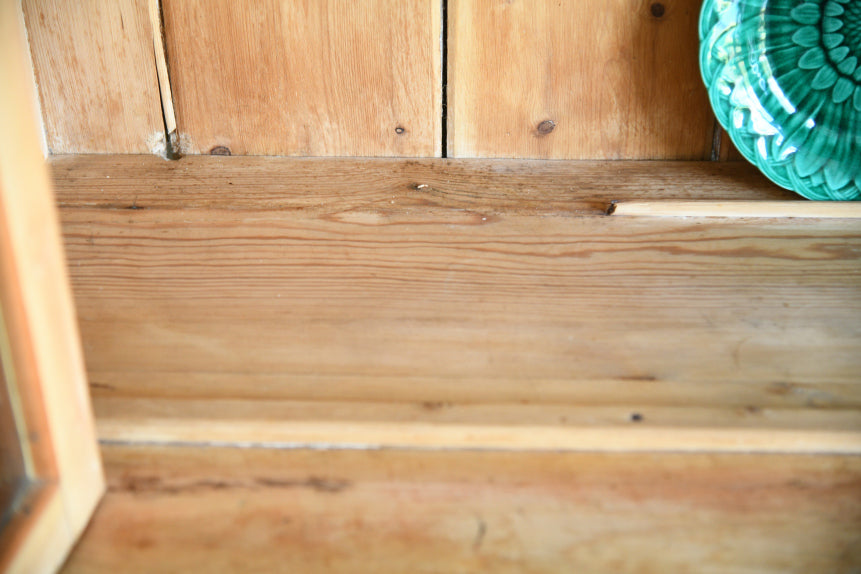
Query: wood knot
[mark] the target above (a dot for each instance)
(400, 130)
(658, 10)
(546, 127)
(220, 150)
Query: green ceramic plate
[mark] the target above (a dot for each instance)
(784, 78)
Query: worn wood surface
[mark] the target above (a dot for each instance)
(180, 509)
(576, 79)
(96, 75)
(332, 282)
(306, 77)
(39, 338)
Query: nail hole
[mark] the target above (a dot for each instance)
(657, 10)
(400, 130)
(546, 127)
(220, 150)
(636, 418)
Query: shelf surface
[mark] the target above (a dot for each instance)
(474, 303)
(204, 509)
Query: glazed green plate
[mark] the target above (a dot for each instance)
(784, 79)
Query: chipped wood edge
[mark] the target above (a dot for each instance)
(160, 54)
(735, 209)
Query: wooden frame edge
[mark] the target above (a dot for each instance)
(45, 351)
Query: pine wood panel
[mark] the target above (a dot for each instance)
(96, 75)
(306, 77)
(321, 286)
(257, 510)
(578, 79)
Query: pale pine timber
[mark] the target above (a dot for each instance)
(306, 77)
(188, 509)
(383, 302)
(706, 208)
(96, 75)
(576, 79)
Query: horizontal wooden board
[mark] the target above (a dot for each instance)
(329, 186)
(306, 77)
(96, 75)
(259, 510)
(576, 79)
(502, 288)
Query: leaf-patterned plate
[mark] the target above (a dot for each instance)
(784, 79)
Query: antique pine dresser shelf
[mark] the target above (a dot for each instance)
(598, 344)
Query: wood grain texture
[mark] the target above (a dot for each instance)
(306, 77)
(332, 186)
(257, 510)
(576, 79)
(96, 74)
(294, 280)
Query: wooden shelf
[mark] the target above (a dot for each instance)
(480, 304)
(204, 509)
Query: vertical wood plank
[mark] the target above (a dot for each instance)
(576, 79)
(306, 77)
(96, 75)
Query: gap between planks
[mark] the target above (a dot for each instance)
(165, 91)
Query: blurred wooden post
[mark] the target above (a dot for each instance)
(43, 366)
